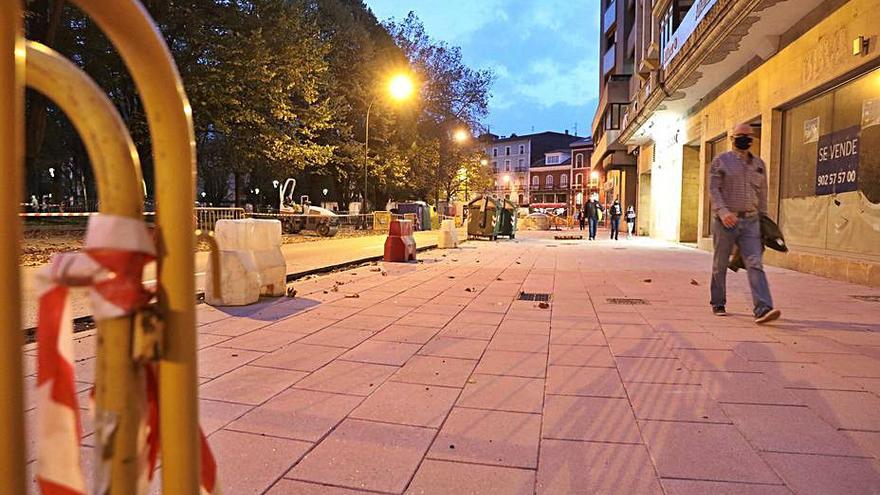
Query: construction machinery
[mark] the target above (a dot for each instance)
(304, 216)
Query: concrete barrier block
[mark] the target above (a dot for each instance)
(239, 280)
(448, 236)
(251, 262)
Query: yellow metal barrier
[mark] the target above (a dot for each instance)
(135, 36)
(119, 385)
(381, 221)
(12, 52)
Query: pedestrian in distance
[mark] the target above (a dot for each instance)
(592, 211)
(738, 190)
(630, 221)
(582, 220)
(615, 212)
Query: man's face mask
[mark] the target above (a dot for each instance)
(742, 142)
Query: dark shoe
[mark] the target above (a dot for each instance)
(719, 311)
(767, 316)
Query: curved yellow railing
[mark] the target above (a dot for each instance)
(12, 465)
(119, 386)
(134, 34)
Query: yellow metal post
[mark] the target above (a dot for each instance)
(12, 465)
(119, 382)
(134, 34)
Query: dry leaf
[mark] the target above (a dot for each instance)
(694, 282)
(647, 281)
(352, 296)
(291, 292)
(543, 305)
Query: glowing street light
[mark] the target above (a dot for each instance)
(506, 178)
(400, 87)
(461, 135)
(594, 175)
(484, 162)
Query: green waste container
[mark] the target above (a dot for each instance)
(507, 218)
(483, 218)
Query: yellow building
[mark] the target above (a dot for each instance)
(804, 74)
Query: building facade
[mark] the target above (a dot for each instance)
(614, 165)
(583, 182)
(804, 74)
(550, 180)
(510, 159)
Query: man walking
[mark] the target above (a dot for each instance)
(738, 189)
(615, 212)
(592, 213)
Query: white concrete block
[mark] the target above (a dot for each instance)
(251, 262)
(448, 236)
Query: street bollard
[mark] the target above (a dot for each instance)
(448, 237)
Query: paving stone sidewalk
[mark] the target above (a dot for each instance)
(433, 378)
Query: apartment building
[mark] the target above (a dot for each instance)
(583, 181)
(803, 73)
(611, 161)
(511, 157)
(549, 178)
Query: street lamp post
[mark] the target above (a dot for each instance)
(400, 87)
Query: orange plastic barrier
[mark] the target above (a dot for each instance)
(400, 246)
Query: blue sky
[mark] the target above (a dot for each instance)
(544, 54)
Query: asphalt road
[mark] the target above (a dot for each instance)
(299, 256)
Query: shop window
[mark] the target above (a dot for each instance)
(830, 173)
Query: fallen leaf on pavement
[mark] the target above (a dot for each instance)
(694, 282)
(352, 296)
(543, 305)
(647, 280)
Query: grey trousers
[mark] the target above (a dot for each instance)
(747, 235)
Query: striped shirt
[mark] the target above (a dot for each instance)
(737, 185)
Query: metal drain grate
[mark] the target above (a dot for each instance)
(626, 300)
(867, 298)
(534, 296)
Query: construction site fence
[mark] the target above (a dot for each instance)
(205, 218)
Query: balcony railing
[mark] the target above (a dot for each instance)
(608, 60)
(670, 47)
(610, 16)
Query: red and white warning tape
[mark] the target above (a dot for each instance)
(68, 214)
(110, 266)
